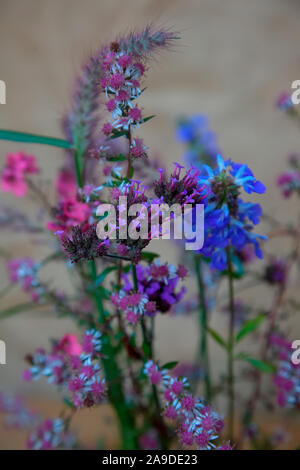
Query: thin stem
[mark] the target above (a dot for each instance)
(113, 376)
(203, 352)
(230, 367)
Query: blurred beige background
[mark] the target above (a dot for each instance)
(234, 58)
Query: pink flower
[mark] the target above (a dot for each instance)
(117, 81)
(13, 182)
(69, 344)
(110, 105)
(13, 175)
(22, 162)
(124, 61)
(65, 184)
(135, 114)
(107, 128)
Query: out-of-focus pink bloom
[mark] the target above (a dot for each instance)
(65, 184)
(17, 165)
(69, 344)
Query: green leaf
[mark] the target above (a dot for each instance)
(217, 338)
(249, 326)
(103, 275)
(257, 363)
(169, 365)
(149, 256)
(33, 138)
(117, 134)
(119, 158)
(148, 118)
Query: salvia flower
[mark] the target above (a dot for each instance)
(228, 219)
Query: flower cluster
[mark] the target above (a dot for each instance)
(13, 176)
(228, 219)
(198, 424)
(287, 376)
(121, 78)
(24, 271)
(83, 243)
(134, 305)
(72, 366)
(159, 283)
(180, 189)
(49, 435)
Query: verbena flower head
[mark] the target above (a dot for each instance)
(83, 243)
(180, 187)
(228, 219)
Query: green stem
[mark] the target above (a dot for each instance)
(230, 368)
(113, 377)
(204, 357)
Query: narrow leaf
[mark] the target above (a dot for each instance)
(169, 365)
(249, 326)
(149, 256)
(217, 338)
(258, 364)
(103, 275)
(33, 138)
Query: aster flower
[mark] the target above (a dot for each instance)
(73, 367)
(198, 424)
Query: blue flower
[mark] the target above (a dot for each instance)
(229, 220)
